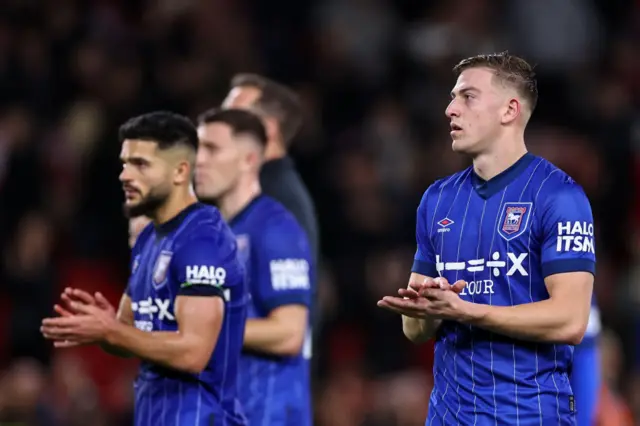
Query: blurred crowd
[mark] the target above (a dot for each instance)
(375, 77)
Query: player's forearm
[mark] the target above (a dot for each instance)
(113, 350)
(170, 349)
(272, 337)
(543, 321)
(419, 330)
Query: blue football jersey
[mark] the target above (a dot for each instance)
(503, 237)
(585, 375)
(193, 254)
(594, 326)
(274, 390)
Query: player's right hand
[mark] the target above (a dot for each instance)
(443, 284)
(71, 295)
(415, 289)
(74, 295)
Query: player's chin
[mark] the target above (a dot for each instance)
(457, 146)
(206, 197)
(462, 146)
(135, 207)
(132, 202)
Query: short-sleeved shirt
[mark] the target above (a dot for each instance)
(194, 254)
(275, 390)
(504, 237)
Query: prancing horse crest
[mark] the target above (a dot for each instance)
(514, 219)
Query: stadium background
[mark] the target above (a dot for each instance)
(375, 77)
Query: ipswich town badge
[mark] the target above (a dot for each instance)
(161, 268)
(514, 219)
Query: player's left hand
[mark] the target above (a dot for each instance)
(447, 305)
(90, 324)
(430, 303)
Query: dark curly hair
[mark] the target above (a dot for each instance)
(167, 129)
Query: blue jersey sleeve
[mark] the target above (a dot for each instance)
(205, 267)
(424, 261)
(283, 273)
(567, 232)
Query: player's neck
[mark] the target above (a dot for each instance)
(177, 202)
(236, 200)
(488, 165)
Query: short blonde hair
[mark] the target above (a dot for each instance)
(510, 69)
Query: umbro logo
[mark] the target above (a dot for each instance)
(444, 224)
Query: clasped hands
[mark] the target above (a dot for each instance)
(430, 299)
(84, 319)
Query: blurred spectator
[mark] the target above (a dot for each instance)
(22, 395)
(30, 283)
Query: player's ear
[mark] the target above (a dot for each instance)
(182, 172)
(252, 159)
(250, 154)
(182, 161)
(512, 111)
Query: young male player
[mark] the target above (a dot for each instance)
(273, 380)
(515, 236)
(185, 306)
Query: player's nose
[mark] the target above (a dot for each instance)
(200, 169)
(201, 160)
(452, 110)
(124, 175)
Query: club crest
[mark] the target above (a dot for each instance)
(161, 268)
(514, 220)
(243, 243)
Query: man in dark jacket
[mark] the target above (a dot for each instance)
(280, 109)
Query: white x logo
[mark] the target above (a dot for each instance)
(163, 306)
(517, 264)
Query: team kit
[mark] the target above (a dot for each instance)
(219, 305)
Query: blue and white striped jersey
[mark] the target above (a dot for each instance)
(275, 390)
(503, 237)
(194, 254)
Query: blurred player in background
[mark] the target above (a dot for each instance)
(514, 234)
(185, 306)
(274, 379)
(281, 112)
(136, 225)
(585, 377)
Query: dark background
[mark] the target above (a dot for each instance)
(375, 77)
